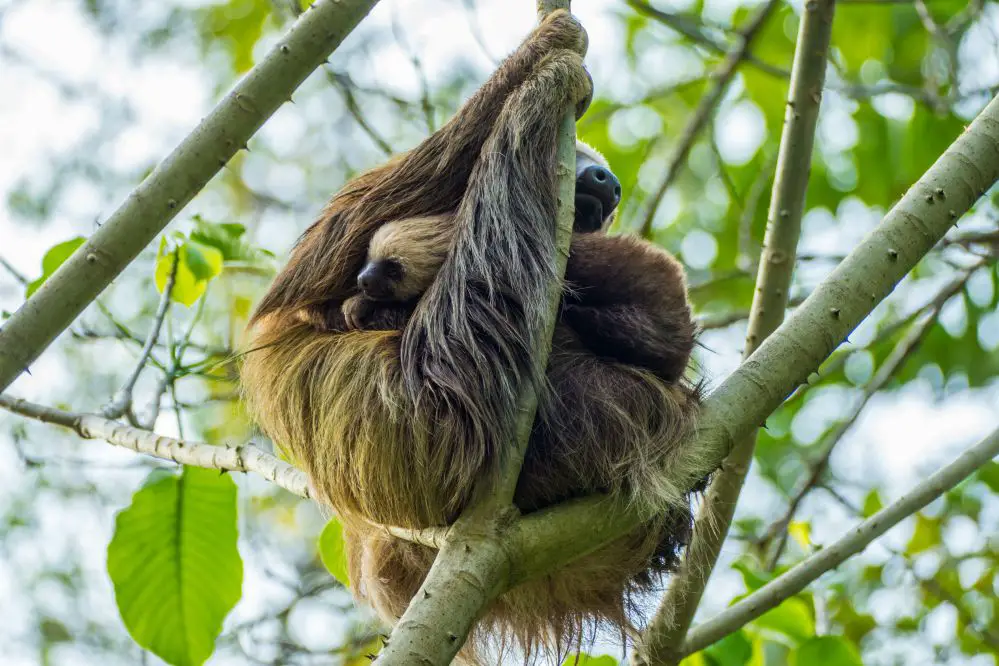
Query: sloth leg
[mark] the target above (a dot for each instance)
(628, 301)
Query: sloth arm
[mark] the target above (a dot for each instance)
(473, 338)
(627, 300)
(432, 178)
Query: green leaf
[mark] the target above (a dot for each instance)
(696, 659)
(733, 650)
(237, 25)
(174, 563)
(793, 619)
(854, 625)
(53, 259)
(826, 651)
(228, 238)
(872, 504)
(926, 536)
(332, 551)
(205, 262)
(751, 575)
(583, 659)
(199, 264)
(801, 532)
(989, 475)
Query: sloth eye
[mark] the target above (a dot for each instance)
(393, 270)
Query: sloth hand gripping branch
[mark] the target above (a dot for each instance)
(391, 350)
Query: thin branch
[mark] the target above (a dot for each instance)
(177, 179)
(984, 634)
(431, 537)
(794, 581)
(14, 273)
(426, 106)
(344, 85)
(787, 205)
(694, 30)
(892, 364)
(719, 83)
(242, 458)
(121, 402)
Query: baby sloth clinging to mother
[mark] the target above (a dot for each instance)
(389, 356)
(405, 255)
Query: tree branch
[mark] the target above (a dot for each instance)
(794, 581)
(121, 402)
(719, 82)
(787, 204)
(174, 182)
(242, 458)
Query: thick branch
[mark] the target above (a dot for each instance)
(786, 359)
(773, 281)
(173, 183)
(794, 581)
(241, 458)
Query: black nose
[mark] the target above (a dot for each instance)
(373, 281)
(598, 181)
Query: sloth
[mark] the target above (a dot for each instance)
(404, 256)
(399, 407)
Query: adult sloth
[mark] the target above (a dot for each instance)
(398, 426)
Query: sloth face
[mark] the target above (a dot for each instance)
(404, 257)
(598, 191)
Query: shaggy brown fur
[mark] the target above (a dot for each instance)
(397, 426)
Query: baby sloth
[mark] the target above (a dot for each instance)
(405, 255)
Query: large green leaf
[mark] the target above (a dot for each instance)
(53, 259)
(989, 475)
(826, 651)
(174, 563)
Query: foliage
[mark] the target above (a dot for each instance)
(174, 563)
(333, 552)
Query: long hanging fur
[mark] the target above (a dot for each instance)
(397, 426)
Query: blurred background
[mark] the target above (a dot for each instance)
(93, 93)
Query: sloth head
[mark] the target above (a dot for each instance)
(405, 255)
(598, 191)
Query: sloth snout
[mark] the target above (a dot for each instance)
(377, 279)
(600, 182)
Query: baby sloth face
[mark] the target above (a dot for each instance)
(404, 256)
